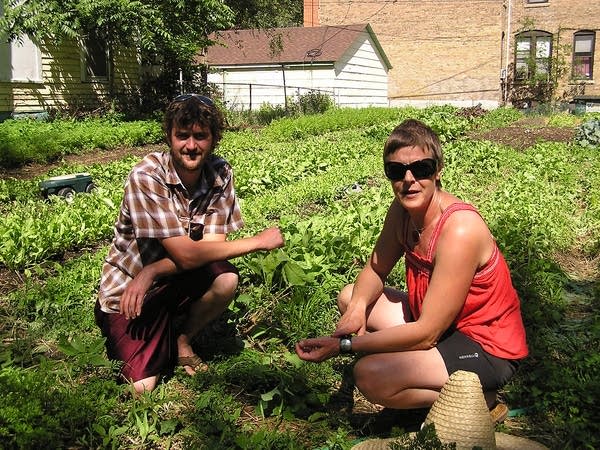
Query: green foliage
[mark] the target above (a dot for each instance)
(314, 102)
(267, 113)
(172, 30)
(326, 191)
(424, 439)
(38, 412)
(34, 230)
(498, 117)
(266, 14)
(588, 133)
(564, 120)
(24, 141)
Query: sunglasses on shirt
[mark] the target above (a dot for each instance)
(202, 98)
(422, 169)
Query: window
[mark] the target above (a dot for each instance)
(530, 2)
(95, 60)
(583, 55)
(20, 61)
(532, 59)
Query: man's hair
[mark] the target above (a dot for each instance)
(412, 133)
(186, 113)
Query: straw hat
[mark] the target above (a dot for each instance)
(460, 415)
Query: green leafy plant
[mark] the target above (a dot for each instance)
(588, 134)
(425, 439)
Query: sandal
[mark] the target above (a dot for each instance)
(498, 413)
(194, 362)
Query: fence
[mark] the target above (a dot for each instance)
(249, 96)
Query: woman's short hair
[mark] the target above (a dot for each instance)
(412, 133)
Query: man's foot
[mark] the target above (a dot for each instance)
(192, 364)
(498, 413)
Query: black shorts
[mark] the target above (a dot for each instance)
(462, 353)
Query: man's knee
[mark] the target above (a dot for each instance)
(225, 285)
(343, 299)
(145, 385)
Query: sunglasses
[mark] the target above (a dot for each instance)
(202, 98)
(422, 169)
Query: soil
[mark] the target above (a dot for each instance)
(525, 133)
(88, 158)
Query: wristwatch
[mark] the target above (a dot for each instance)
(346, 344)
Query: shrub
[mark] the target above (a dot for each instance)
(314, 102)
(268, 113)
(588, 133)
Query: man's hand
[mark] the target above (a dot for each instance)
(318, 349)
(133, 296)
(269, 239)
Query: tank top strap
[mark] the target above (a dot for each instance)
(446, 213)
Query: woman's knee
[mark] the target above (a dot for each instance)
(343, 299)
(368, 373)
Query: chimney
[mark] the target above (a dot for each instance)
(311, 13)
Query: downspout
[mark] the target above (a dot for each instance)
(284, 87)
(506, 59)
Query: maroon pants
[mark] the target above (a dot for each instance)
(147, 345)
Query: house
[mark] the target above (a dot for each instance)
(37, 78)
(253, 67)
(468, 52)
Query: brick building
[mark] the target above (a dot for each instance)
(466, 52)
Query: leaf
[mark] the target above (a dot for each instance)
(268, 396)
(294, 275)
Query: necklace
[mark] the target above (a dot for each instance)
(418, 232)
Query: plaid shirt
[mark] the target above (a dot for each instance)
(156, 206)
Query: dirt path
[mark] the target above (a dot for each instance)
(88, 158)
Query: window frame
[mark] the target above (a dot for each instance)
(578, 75)
(24, 61)
(94, 51)
(533, 61)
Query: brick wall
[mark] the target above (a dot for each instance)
(454, 50)
(563, 18)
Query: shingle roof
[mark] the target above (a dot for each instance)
(285, 45)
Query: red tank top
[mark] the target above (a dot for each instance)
(491, 314)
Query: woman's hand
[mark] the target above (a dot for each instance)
(354, 321)
(318, 349)
(133, 296)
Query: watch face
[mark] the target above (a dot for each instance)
(345, 345)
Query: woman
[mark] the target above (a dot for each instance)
(461, 311)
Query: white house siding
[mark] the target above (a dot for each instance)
(62, 83)
(361, 78)
(267, 85)
(357, 79)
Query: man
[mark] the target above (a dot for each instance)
(166, 275)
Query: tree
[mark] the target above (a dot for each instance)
(266, 13)
(168, 31)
